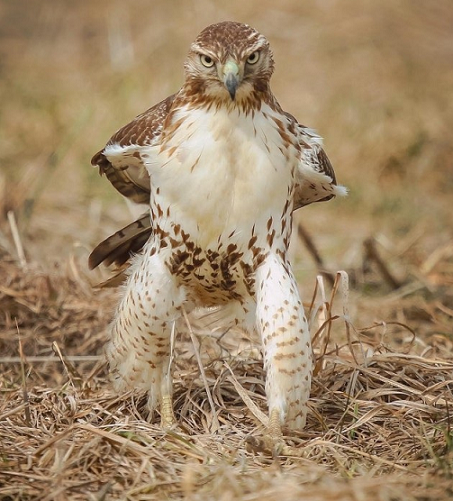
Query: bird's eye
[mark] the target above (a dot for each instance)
(253, 58)
(206, 60)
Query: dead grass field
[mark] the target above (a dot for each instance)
(376, 80)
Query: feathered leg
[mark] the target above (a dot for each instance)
(139, 348)
(286, 345)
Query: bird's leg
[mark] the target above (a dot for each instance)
(275, 427)
(139, 349)
(286, 345)
(167, 416)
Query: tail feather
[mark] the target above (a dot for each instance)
(118, 247)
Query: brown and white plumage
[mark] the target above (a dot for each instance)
(222, 167)
(127, 173)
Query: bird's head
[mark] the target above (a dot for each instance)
(229, 63)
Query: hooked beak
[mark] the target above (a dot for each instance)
(231, 78)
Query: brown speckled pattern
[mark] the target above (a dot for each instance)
(222, 178)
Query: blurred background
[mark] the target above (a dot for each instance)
(375, 79)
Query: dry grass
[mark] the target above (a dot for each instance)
(379, 426)
(376, 81)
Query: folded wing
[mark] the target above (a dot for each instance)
(315, 178)
(120, 161)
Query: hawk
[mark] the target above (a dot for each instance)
(221, 168)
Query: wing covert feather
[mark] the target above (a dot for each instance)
(120, 160)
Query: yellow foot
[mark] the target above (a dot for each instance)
(167, 417)
(275, 428)
(272, 442)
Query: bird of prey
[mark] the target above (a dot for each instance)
(221, 168)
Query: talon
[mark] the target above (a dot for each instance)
(272, 442)
(266, 445)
